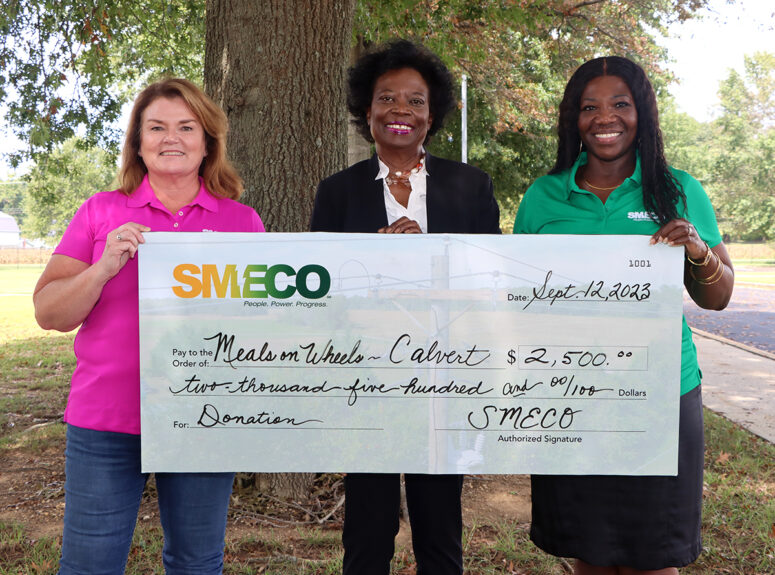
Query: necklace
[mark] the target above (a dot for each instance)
(400, 177)
(601, 189)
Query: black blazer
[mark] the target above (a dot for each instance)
(459, 199)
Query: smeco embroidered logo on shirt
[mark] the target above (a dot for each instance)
(641, 216)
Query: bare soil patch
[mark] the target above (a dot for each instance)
(32, 494)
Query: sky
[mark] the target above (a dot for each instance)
(703, 50)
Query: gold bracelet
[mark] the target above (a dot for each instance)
(714, 277)
(705, 283)
(705, 260)
(711, 279)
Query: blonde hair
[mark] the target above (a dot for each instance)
(220, 177)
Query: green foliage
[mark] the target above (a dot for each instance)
(518, 56)
(513, 158)
(12, 199)
(744, 151)
(69, 66)
(687, 141)
(59, 183)
(734, 155)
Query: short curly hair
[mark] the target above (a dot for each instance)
(396, 55)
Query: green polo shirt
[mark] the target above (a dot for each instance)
(554, 204)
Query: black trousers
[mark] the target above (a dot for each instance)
(371, 516)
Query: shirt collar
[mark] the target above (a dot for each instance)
(582, 160)
(145, 196)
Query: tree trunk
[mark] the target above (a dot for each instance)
(277, 68)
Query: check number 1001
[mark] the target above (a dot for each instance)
(559, 357)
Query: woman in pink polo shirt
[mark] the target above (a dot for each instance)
(174, 177)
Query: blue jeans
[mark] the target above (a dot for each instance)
(103, 489)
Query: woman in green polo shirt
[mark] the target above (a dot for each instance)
(611, 177)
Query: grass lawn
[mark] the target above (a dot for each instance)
(17, 318)
(745, 274)
(17, 315)
(754, 263)
(738, 515)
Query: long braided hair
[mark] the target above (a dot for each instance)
(661, 191)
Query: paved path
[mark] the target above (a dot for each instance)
(738, 382)
(736, 349)
(749, 318)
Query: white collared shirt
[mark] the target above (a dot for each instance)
(416, 208)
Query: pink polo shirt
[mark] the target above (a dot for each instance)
(105, 388)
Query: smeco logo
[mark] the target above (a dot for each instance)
(641, 216)
(259, 281)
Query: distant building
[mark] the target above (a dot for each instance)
(9, 231)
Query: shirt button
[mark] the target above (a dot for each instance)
(175, 225)
(180, 213)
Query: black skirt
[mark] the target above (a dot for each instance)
(643, 522)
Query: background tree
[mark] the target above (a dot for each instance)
(278, 70)
(689, 144)
(12, 194)
(733, 156)
(67, 67)
(59, 183)
(744, 151)
(517, 55)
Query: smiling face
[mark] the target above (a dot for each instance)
(399, 115)
(608, 120)
(172, 141)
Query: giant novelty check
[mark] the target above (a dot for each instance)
(409, 353)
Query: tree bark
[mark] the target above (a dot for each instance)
(277, 68)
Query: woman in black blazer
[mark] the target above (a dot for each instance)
(398, 96)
